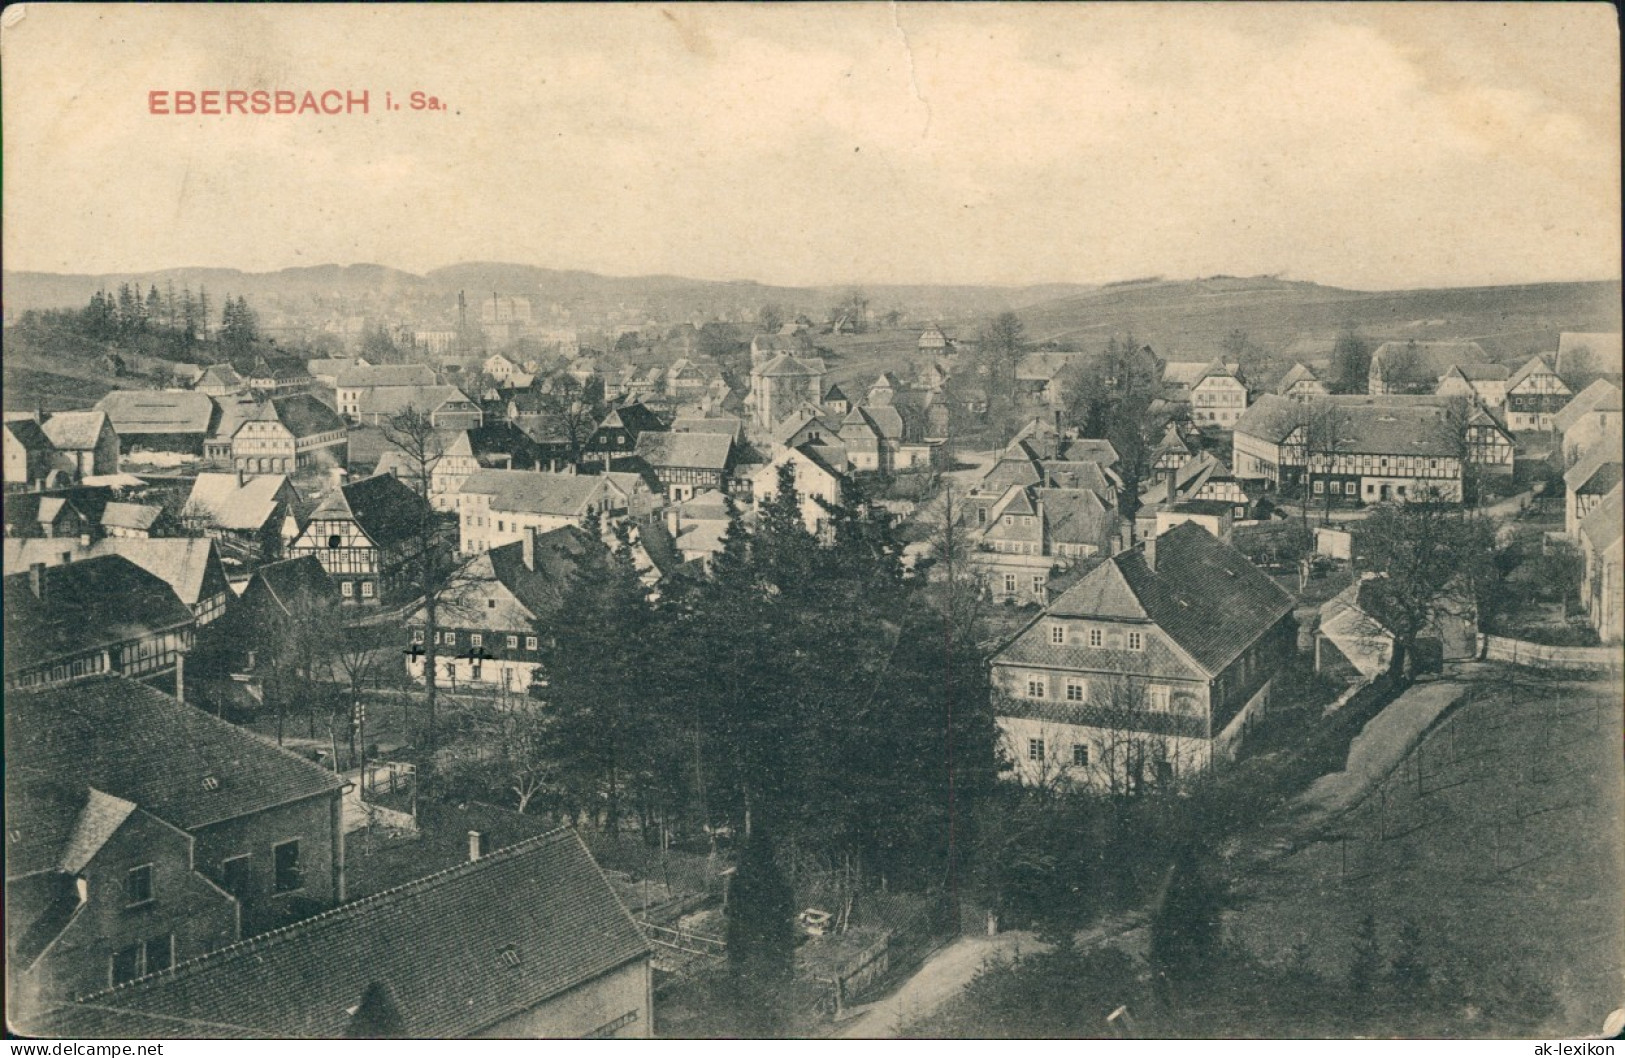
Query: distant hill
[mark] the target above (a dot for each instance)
(1188, 319)
(387, 289)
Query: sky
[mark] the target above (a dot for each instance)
(1374, 146)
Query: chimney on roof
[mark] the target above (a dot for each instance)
(36, 579)
(674, 521)
(476, 845)
(1151, 551)
(1173, 487)
(527, 547)
(606, 461)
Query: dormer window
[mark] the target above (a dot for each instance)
(211, 783)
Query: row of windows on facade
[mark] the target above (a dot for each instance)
(1158, 698)
(347, 589)
(1059, 635)
(475, 639)
(1038, 583)
(1081, 755)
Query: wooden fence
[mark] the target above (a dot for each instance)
(1539, 656)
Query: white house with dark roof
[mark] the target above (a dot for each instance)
(352, 384)
(497, 507)
(1299, 382)
(1591, 418)
(86, 440)
(1216, 395)
(817, 483)
(1390, 448)
(1147, 669)
(687, 463)
(490, 632)
(1535, 394)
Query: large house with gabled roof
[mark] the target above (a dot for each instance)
(367, 535)
(529, 941)
(489, 631)
(1535, 394)
(144, 832)
(496, 507)
(1147, 669)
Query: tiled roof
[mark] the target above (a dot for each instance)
(333, 365)
(304, 415)
(1422, 362)
(385, 508)
(635, 418)
(138, 516)
(455, 953)
(393, 400)
(707, 451)
(1042, 367)
(290, 580)
(368, 377)
(75, 430)
(1298, 373)
(1580, 475)
(1535, 365)
(1373, 425)
(230, 503)
(29, 435)
(1603, 527)
(184, 563)
(220, 376)
(1204, 595)
(538, 492)
(1089, 449)
(1076, 516)
(783, 365)
(541, 590)
(89, 604)
(722, 424)
(1189, 372)
(134, 412)
(40, 818)
(1600, 394)
(138, 744)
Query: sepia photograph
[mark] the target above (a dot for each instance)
(905, 521)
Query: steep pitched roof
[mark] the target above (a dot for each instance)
(137, 516)
(1042, 367)
(557, 554)
(134, 412)
(355, 376)
(89, 604)
(393, 400)
(1298, 373)
(140, 745)
(723, 424)
(1535, 365)
(454, 953)
(233, 504)
(834, 394)
(1204, 595)
(1188, 373)
(1076, 516)
(1600, 395)
(1089, 449)
(385, 508)
(184, 563)
(1603, 527)
(75, 431)
(221, 376)
(635, 417)
(707, 451)
(786, 365)
(1422, 362)
(291, 579)
(29, 434)
(304, 415)
(1610, 451)
(887, 420)
(538, 492)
